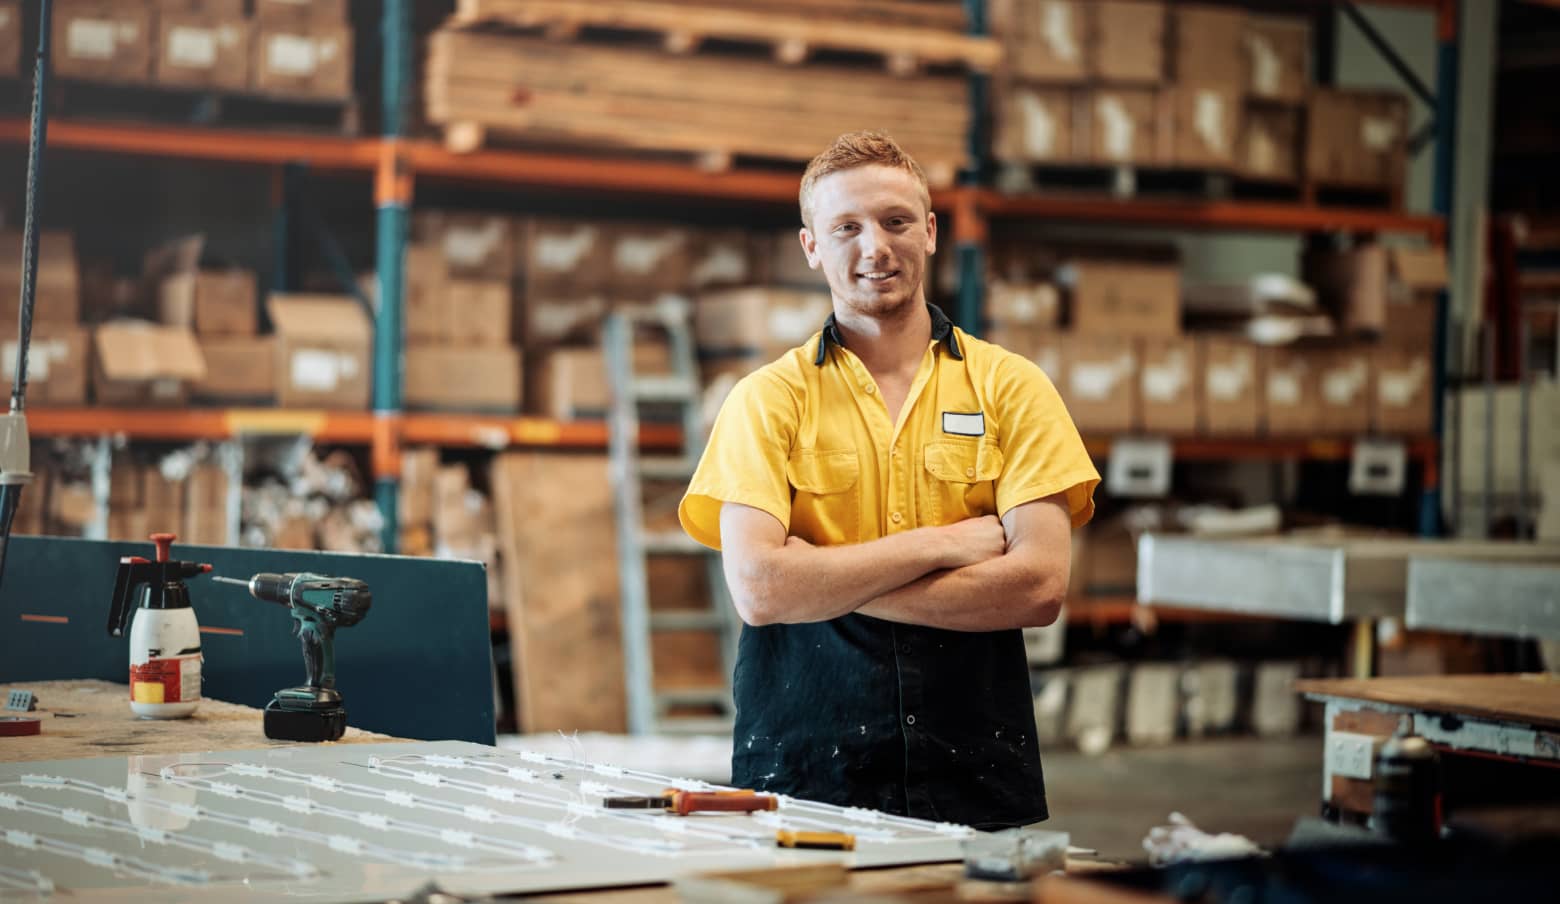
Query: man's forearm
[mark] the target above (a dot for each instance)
(1001, 593)
(803, 583)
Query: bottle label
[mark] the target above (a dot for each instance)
(172, 680)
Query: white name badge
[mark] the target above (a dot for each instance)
(964, 424)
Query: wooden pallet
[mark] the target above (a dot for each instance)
(171, 104)
(792, 38)
(481, 85)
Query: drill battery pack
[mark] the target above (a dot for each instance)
(304, 725)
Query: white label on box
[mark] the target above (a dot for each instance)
(640, 255)
(1378, 133)
(290, 55)
(90, 39)
(1283, 388)
(469, 246)
(1209, 122)
(5, 19)
(1262, 152)
(1049, 360)
(1398, 388)
(193, 47)
(315, 370)
(1058, 31)
(1228, 380)
(1378, 467)
(1118, 127)
(39, 356)
(1139, 467)
(551, 319)
(721, 264)
(1167, 380)
(1096, 380)
(559, 252)
(1039, 127)
(1343, 385)
(1265, 68)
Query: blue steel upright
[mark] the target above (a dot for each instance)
(393, 201)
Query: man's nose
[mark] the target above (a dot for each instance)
(872, 241)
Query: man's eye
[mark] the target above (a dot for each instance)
(847, 227)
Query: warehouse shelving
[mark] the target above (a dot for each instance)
(396, 162)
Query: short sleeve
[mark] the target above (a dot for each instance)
(1042, 452)
(744, 460)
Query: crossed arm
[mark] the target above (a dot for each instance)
(975, 575)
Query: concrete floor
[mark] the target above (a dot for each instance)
(1249, 786)
(1246, 785)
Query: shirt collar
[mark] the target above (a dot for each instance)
(942, 331)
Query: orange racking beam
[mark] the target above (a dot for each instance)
(224, 145)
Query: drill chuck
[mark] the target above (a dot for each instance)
(273, 588)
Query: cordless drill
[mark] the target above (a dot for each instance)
(319, 606)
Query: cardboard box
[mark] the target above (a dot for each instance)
(205, 527)
(473, 245)
(1124, 125)
(322, 351)
(1269, 146)
(206, 487)
(243, 370)
(11, 38)
(485, 378)
(1167, 375)
(212, 302)
(1403, 400)
(1024, 341)
(137, 363)
(477, 312)
(1209, 46)
(1344, 382)
(1046, 40)
(203, 51)
(648, 261)
(99, 40)
(58, 362)
(1125, 298)
(57, 284)
(1415, 278)
(1291, 392)
(228, 9)
(1035, 126)
(568, 383)
(564, 259)
(162, 498)
(720, 258)
(312, 61)
(547, 322)
(1357, 138)
(1207, 124)
(423, 317)
(418, 465)
(1279, 54)
(128, 525)
(738, 319)
(1129, 41)
(1230, 387)
(1099, 383)
(1352, 284)
(307, 11)
(1022, 304)
(781, 262)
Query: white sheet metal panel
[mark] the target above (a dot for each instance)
(1249, 576)
(373, 822)
(1499, 599)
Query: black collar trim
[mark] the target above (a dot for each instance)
(942, 331)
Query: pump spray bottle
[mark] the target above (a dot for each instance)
(165, 654)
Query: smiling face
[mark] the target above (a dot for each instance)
(870, 233)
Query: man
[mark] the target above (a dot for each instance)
(893, 502)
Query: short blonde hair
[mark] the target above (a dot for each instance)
(855, 149)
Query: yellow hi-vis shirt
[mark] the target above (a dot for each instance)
(809, 440)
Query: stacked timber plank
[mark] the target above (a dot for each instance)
(562, 72)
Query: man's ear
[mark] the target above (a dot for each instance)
(809, 248)
(931, 233)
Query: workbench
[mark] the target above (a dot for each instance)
(91, 718)
(1515, 718)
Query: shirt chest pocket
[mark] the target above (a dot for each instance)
(826, 496)
(958, 481)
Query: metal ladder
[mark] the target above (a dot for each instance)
(649, 707)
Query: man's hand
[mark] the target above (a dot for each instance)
(972, 541)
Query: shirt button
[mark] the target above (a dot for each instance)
(904, 648)
(969, 472)
(896, 517)
(870, 389)
(909, 720)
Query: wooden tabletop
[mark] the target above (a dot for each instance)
(1531, 699)
(93, 718)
